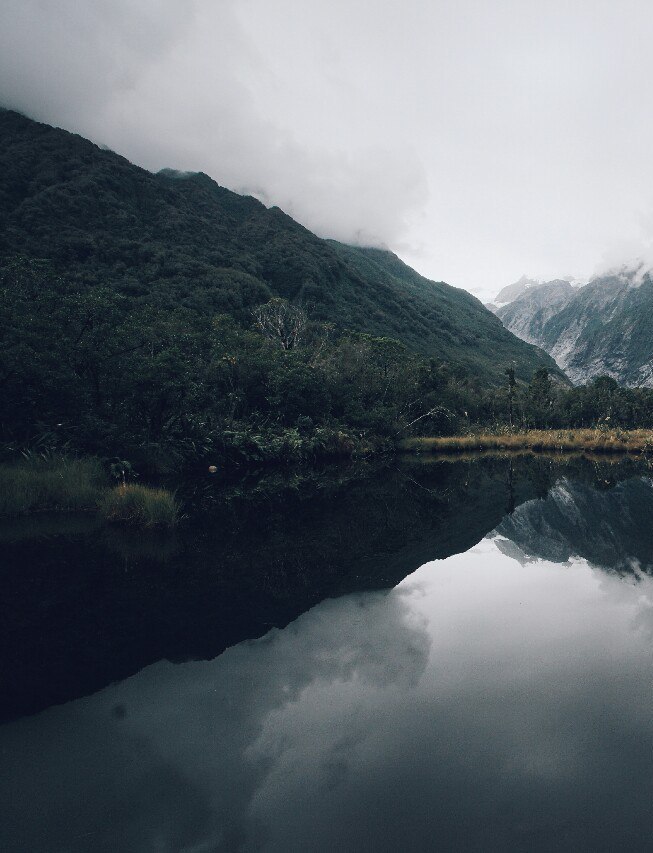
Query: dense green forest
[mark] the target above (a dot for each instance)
(109, 374)
(165, 320)
(102, 373)
(181, 240)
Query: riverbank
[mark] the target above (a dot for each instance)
(64, 484)
(593, 440)
(67, 484)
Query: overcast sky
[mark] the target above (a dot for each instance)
(479, 139)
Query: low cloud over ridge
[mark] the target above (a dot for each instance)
(182, 85)
(479, 140)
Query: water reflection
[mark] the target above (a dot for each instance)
(82, 605)
(609, 527)
(480, 705)
(497, 699)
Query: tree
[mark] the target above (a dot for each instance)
(280, 321)
(540, 397)
(512, 384)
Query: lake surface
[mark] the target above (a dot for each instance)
(451, 656)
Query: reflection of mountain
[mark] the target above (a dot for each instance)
(174, 746)
(81, 609)
(99, 606)
(611, 529)
(479, 706)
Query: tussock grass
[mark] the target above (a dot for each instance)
(139, 505)
(61, 483)
(58, 483)
(564, 440)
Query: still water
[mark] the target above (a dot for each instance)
(451, 656)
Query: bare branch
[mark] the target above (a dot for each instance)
(280, 321)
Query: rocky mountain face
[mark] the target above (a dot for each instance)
(603, 328)
(528, 314)
(515, 290)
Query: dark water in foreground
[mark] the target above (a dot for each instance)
(439, 656)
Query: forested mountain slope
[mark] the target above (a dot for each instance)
(181, 239)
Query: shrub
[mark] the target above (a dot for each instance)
(331, 443)
(140, 505)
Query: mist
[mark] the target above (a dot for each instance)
(479, 141)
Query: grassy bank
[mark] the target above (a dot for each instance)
(594, 440)
(141, 506)
(57, 484)
(65, 484)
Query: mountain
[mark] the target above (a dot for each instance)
(181, 239)
(603, 328)
(528, 313)
(513, 291)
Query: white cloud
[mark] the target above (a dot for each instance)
(480, 140)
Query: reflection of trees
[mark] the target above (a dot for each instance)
(510, 508)
(257, 555)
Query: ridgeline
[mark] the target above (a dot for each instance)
(181, 240)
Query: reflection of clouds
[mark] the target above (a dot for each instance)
(533, 687)
(511, 549)
(643, 618)
(481, 705)
(372, 637)
(163, 761)
(80, 782)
